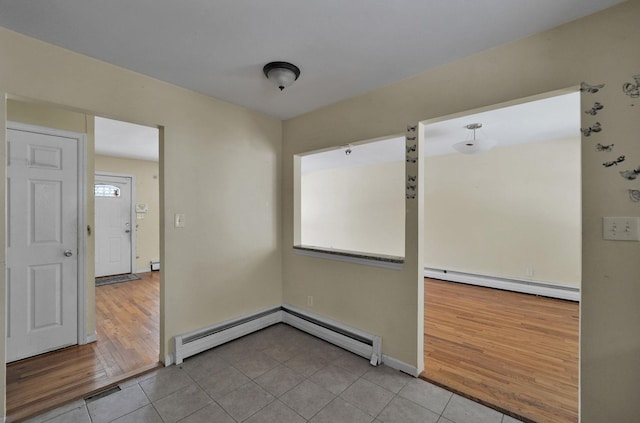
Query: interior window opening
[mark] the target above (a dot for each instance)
(352, 200)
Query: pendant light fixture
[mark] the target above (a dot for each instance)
(283, 74)
(475, 145)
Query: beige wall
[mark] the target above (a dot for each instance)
(495, 214)
(227, 261)
(596, 49)
(147, 191)
(49, 116)
(359, 208)
(220, 165)
(506, 210)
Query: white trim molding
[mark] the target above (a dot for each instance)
(92, 338)
(400, 365)
(386, 262)
(528, 287)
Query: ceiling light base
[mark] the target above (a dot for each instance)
(283, 74)
(474, 146)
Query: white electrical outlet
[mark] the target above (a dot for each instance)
(621, 228)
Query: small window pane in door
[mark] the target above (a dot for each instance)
(103, 190)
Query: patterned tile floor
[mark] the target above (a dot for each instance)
(278, 375)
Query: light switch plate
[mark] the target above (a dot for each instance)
(180, 220)
(621, 228)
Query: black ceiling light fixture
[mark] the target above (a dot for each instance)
(283, 74)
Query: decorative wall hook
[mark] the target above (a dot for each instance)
(591, 89)
(631, 89)
(614, 162)
(630, 175)
(604, 148)
(595, 128)
(597, 106)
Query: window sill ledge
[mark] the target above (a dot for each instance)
(378, 260)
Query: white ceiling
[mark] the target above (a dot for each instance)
(344, 48)
(551, 118)
(123, 139)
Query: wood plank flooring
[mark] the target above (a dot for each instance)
(514, 351)
(127, 326)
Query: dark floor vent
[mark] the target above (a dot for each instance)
(102, 394)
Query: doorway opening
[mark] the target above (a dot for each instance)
(503, 255)
(127, 241)
(35, 384)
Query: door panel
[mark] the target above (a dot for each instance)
(45, 281)
(42, 283)
(113, 202)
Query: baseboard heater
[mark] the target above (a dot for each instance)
(334, 332)
(507, 284)
(348, 338)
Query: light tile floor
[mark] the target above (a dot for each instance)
(279, 375)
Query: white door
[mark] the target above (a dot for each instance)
(42, 243)
(113, 200)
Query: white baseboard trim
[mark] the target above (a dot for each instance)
(92, 338)
(400, 365)
(169, 360)
(517, 285)
(143, 270)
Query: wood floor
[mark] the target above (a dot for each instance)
(514, 351)
(127, 316)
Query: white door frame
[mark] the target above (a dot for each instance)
(82, 213)
(132, 212)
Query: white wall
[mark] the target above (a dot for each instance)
(506, 210)
(358, 208)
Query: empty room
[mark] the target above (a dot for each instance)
(240, 94)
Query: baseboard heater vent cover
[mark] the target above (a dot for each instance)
(195, 342)
(351, 339)
(334, 332)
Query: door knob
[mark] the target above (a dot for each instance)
(127, 231)
(67, 253)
